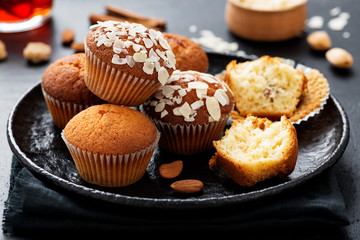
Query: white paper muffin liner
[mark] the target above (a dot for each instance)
(62, 111)
(115, 86)
(306, 70)
(188, 139)
(111, 170)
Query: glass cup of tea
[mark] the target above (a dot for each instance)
(23, 15)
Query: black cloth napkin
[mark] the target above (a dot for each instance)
(37, 209)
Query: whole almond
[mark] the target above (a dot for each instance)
(339, 57)
(319, 40)
(78, 47)
(187, 186)
(67, 36)
(171, 170)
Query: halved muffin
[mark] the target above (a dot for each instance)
(265, 87)
(256, 149)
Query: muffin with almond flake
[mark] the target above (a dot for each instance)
(190, 111)
(126, 62)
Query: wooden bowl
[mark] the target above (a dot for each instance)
(265, 25)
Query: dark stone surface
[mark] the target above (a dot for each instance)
(16, 75)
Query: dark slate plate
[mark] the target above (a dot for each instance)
(37, 143)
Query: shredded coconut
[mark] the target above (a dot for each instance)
(209, 40)
(315, 22)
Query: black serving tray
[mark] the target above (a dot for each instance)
(38, 145)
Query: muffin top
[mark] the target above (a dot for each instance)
(189, 55)
(110, 129)
(64, 80)
(190, 97)
(132, 48)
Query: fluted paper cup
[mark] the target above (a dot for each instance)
(61, 111)
(115, 86)
(189, 139)
(111, 170)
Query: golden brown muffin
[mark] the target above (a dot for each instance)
(190, 111)
(265, 87)
(189, 55)
(126, 62)
(64, 88)
(110, 144)
(256, 149)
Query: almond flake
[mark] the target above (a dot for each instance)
(197, 85)
(148, 67)
(176, 111)
(201, 93)
(221, 96)
(117, 60)
(161, 54)
(136, 47)
(128, 43)
(185, 110)
(167, 90)
(118, 46)
(148, 42)
(182, 92)
(164, 43)
(157, 66)
(213, 107)
(163, 75)
(152, 35)
(130, 61)
(139, 28)
(152, 54)
(209, 78)
(196, 105)
(164, 113)
(171, 58)
(160, 107)
(139, 57)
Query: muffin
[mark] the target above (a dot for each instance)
(256, 149)
(189, 55)
(111, 145)
(126, 62)
(190, 111)
(64, 89)
(265, 87)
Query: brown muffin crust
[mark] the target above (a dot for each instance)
(104, 50)
(185, 95)
(64, 81)
(110, 129)
(189, 55)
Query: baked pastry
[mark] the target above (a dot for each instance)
(265, 87)
(190, 111)
(111, 145)
(189, 55)
(256, 149)
(64, 89)
(126, 62)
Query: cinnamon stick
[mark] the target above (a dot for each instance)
(119, 12)
(94, 18)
